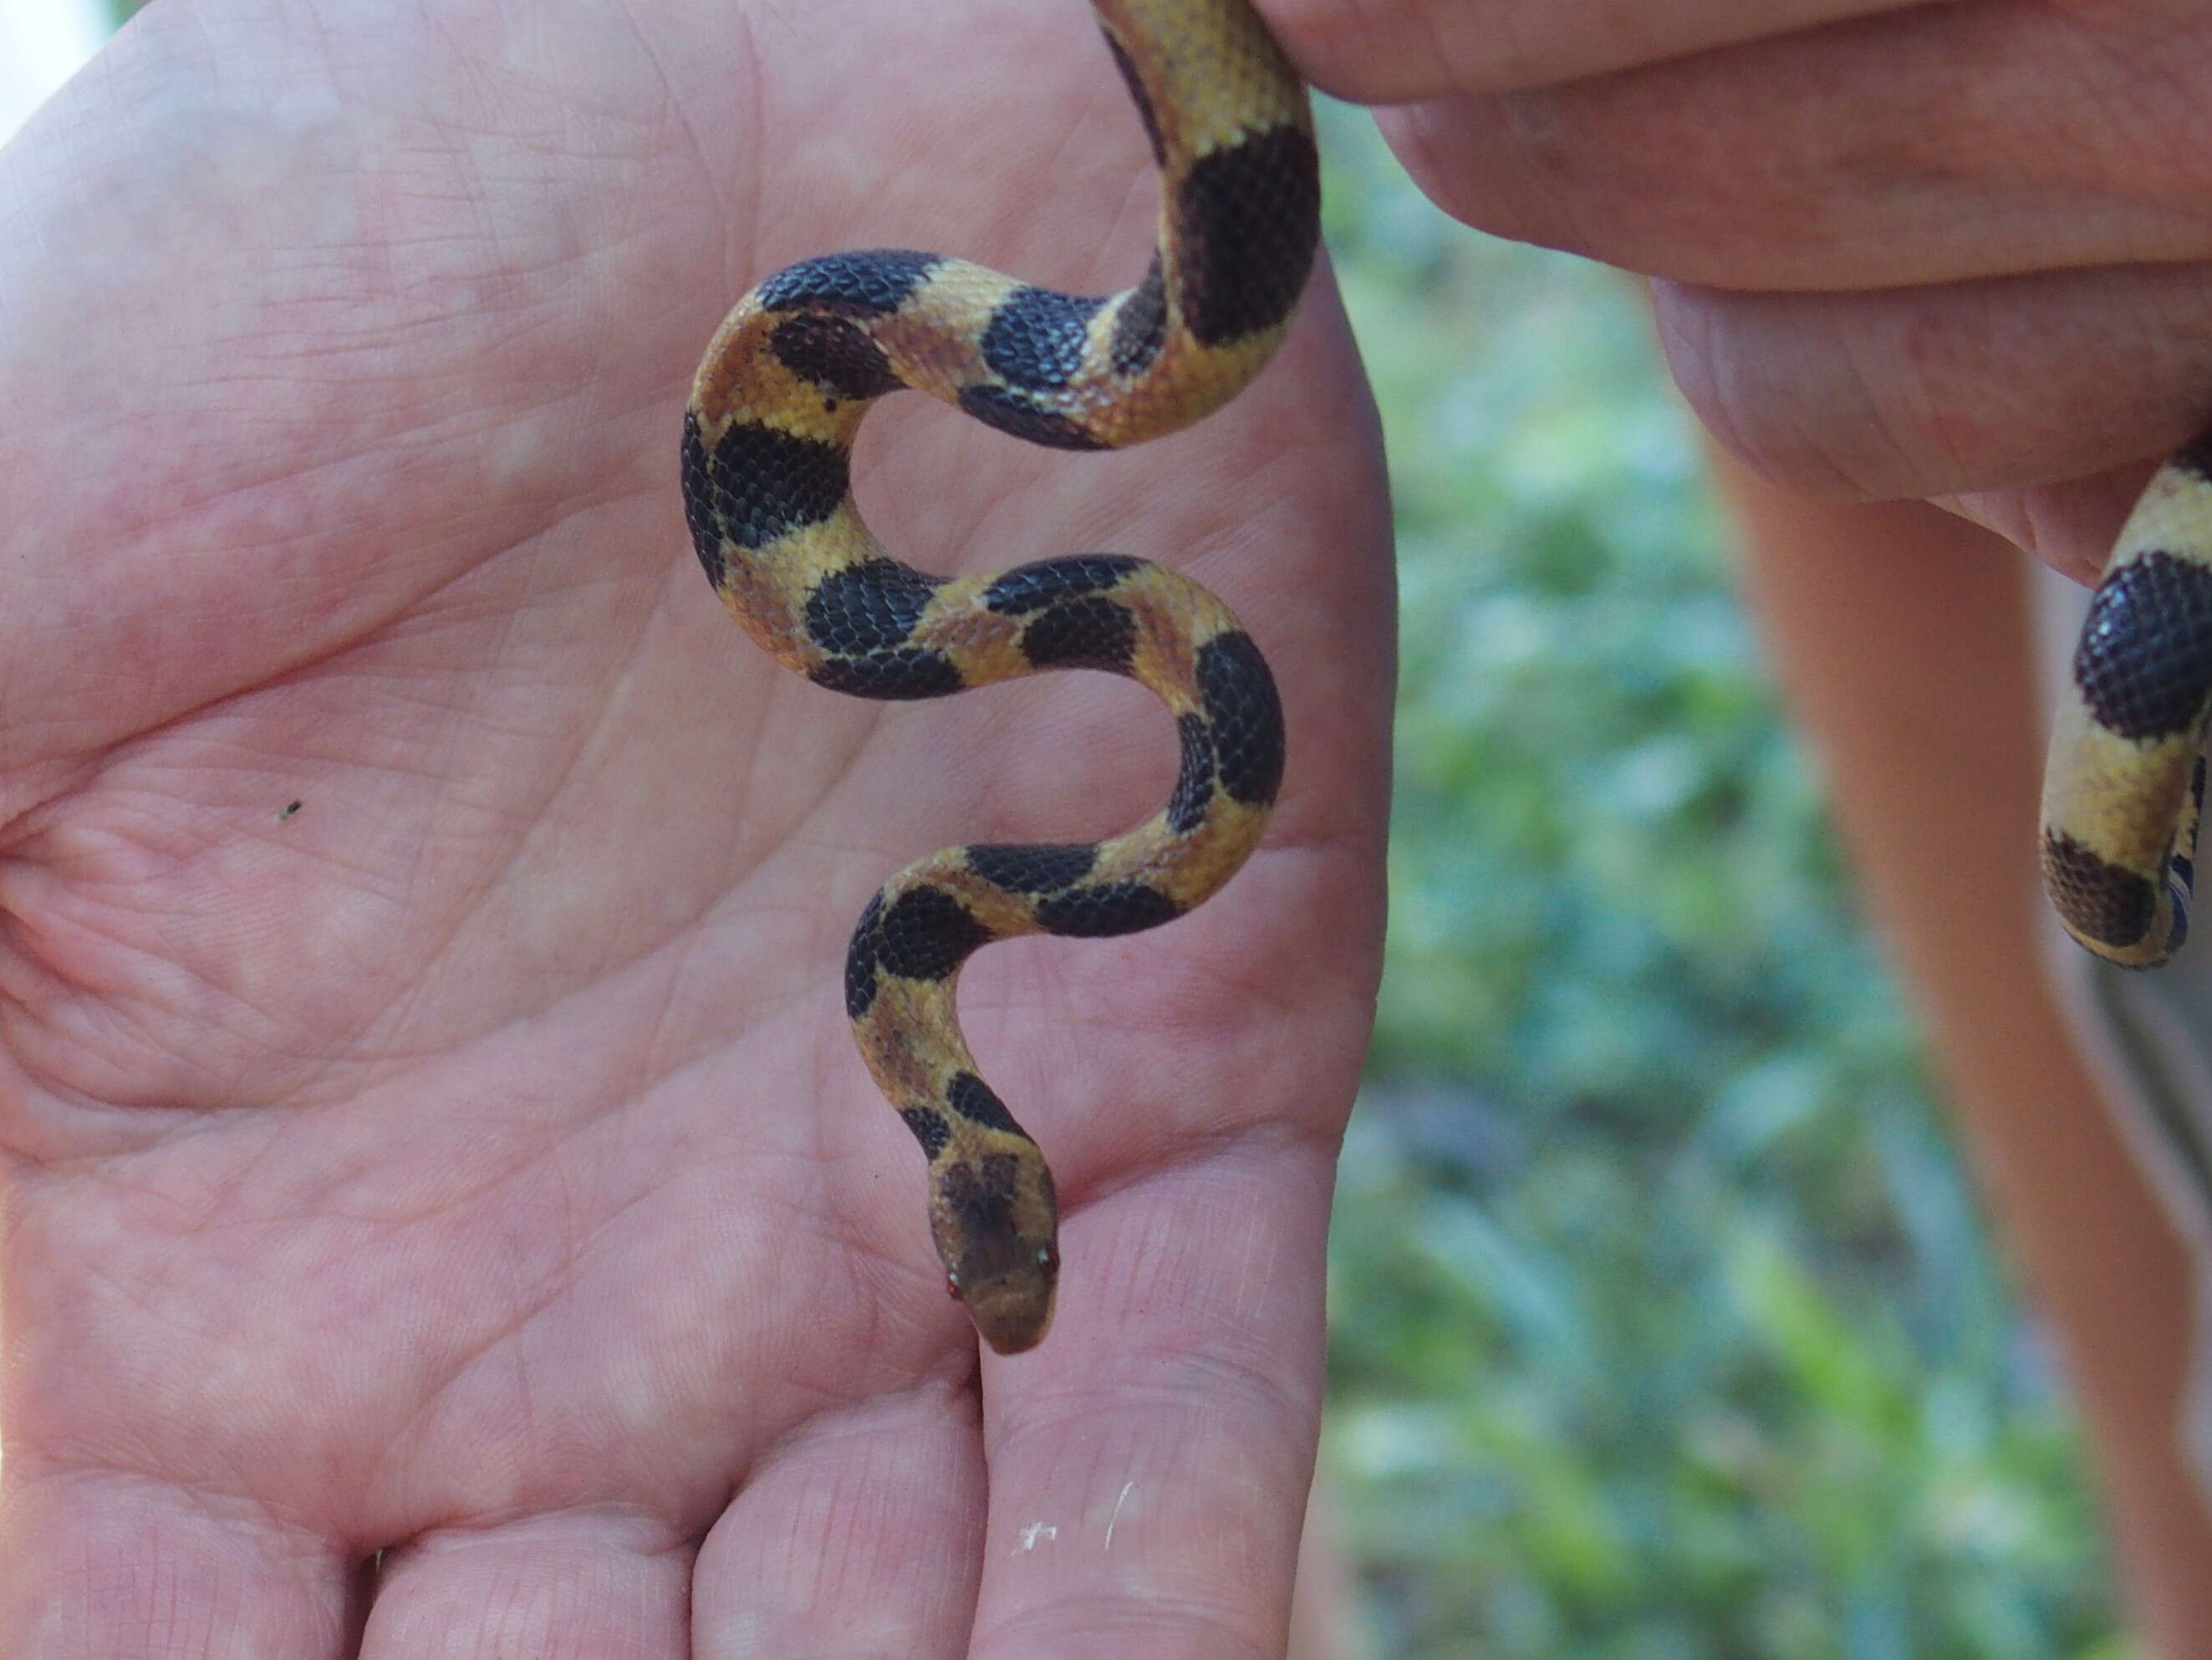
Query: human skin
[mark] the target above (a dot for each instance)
(471, 1164)
(1955, 252)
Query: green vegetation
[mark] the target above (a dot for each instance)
(1664, 1329)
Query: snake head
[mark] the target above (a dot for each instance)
(996, 1228)
(1008, 1296)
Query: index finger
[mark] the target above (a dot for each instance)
(1395, 51)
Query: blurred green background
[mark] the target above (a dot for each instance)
(1664, 1327)
(1663, 1324)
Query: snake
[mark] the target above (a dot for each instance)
(2123, 785)
(766, 477)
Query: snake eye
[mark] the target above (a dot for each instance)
(952, 1287)
(1048, 1257)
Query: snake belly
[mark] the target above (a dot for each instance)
(768, 440)
(2124, 789)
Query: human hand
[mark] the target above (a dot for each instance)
(472, 1164)
(1957, 252)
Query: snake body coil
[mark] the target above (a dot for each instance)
(768, 440)
(2123, 791)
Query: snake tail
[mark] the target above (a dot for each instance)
(2123, 791)
(766, 448)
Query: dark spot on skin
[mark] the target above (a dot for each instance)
(861, 961)
(1038, 867)
(1246, 715)
(2196, 455)
(288, 810)
(2099, 900)
(1036, 337)
(925, 933)
(1194, 790)
(972, 1099)
(869, 607)
(1083, 633)
(929, 1129)
(2144, 664)
(700, 513)
(759, 483)
(981, 1196)
(861, 615)
(1249, 218)
(890, 677)
(1009, 411)
(1140, 327)
(835, 355)
(1109, 909)
(872, 283)
(1032, 587)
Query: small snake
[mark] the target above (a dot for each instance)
(768, 443)
(768, 440)
(2123, 790)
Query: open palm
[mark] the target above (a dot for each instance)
(432, 1128)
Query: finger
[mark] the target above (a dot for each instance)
(1395, 50)
(104, 1563)
(857, 1535)
(574, 1586)
(1930, 391)
(1932, 145)
(1150, 1463)
(2071, 526)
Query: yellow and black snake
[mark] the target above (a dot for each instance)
(2123, 791)
(768, 442)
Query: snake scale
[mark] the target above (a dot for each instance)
(768, 442)
(766, 448)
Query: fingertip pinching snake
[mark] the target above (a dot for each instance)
(766, 470)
